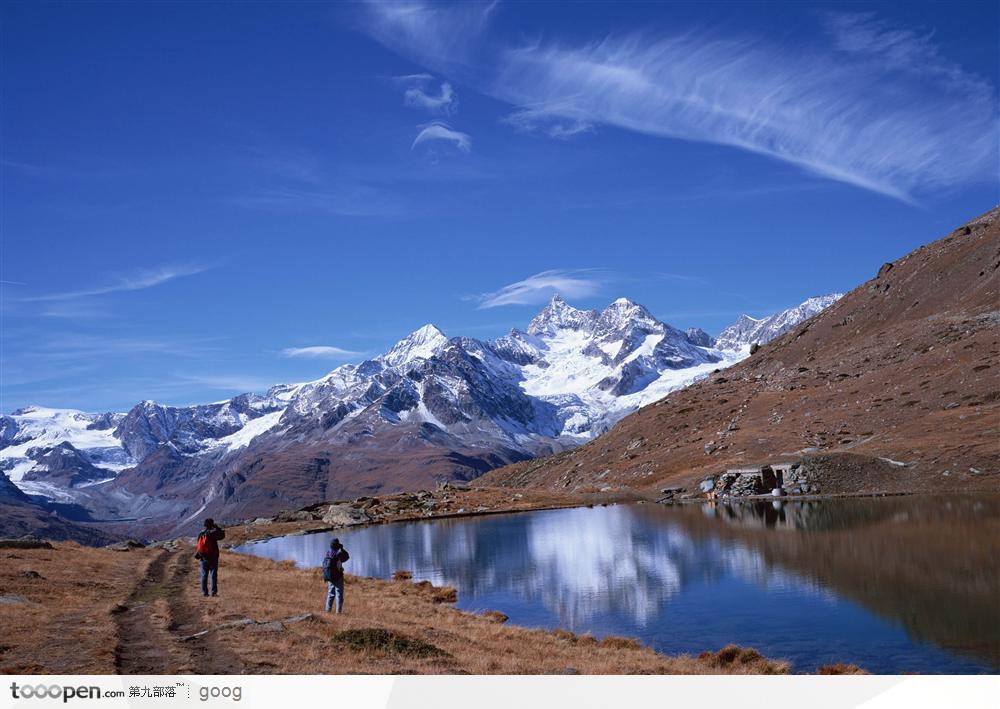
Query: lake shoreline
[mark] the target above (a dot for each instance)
(262, 529)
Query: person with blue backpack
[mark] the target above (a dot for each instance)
(333, 574)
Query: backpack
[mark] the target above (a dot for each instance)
(333, 568)
(207, 547)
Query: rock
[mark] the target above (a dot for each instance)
(298, 618)
(345, 515)
(127, 545)
(777, 492)
(886, 267)
(24, 544)
(297, 516)
(260, 521)
(754, 347)
(29, 574)
(707, 485)
(275, 626)
(635, 443)
(710, 447)
(675, 490)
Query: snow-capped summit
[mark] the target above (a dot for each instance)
(748, 330)
(422, 343)
(623, 319)
(559, 315)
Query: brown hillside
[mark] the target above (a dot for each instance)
(905, 367)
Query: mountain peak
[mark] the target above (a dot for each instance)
(422, 343)
(748, 330)
(560, 315)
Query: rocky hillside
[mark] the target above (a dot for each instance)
(894, 387)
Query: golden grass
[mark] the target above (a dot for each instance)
(841, 668)
(67, 626)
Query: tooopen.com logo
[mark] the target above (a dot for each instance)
(55, 691)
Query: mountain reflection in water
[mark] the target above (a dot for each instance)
(894, 585)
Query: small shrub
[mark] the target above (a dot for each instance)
(448, 594)
(384, 641)
(741, 659)
(616, 642)
(495, 616)
(402, 575)
(841, 668)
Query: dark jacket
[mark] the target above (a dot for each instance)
(334, 561)
(212, 537)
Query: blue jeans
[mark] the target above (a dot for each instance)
(209, 568)
(335, 592)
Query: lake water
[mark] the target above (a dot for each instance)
(894, 585)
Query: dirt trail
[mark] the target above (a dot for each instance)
(143, 642)
(155, 618)
(204, 654)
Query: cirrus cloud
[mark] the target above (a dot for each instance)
(319, 352)
(439, 131)
(540, 287)
(866, 102)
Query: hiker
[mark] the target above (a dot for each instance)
(333, 574)
(208, 555)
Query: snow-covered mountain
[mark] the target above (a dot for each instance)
(748, 330)
(431, 407)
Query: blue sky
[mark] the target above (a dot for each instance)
(202, 199)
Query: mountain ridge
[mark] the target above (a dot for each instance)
(448, 407)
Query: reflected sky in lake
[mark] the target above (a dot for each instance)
(683, 579)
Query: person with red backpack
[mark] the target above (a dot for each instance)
(208, 555)
(333, 574)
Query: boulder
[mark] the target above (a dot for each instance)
(344, 515)
(127, 545)
(707, 485)
(298, 516)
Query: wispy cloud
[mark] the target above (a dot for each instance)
(138, 279)
(445, 37)
(826, 113)
(442, 132)
(420, 94)
(543, 119)
(865, 35)
(319, 352)
(542, 286)
(683, 277)
(872, 105)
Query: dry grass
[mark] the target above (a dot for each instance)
(67, 626)
(387, 626)
(734, 659)
(841, 668)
